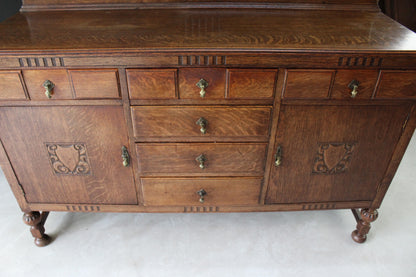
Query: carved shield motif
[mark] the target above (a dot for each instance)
(69, 159)
(333, 158)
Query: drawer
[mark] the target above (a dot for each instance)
(35, 80)
(152, 83)
(251, 83)
(187, 122)
(201, 159)
(100, 83)
(366, 82)
(308, 84)
(397, 84)
(11, 85)
(184, 191)
(214, 83)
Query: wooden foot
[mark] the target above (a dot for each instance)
(364, 220)
(36, 221)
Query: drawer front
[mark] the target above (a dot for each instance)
(251, 83)
(184, 191)
(101, 83)
(35, 80)
(201, 159)
(152, 83)
(308, 84)
(11, 86)
(175, 122)
(344, 81)
(214, 78)
(397, 84)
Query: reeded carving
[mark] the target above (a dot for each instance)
(333, 158)
(201, 60)
(41, 62)
(69, 159)
(360, 61)
(202, 209)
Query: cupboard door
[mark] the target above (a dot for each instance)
(69, 154)
(333, 153)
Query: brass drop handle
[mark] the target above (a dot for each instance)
(202, 122)
(354, 86)
(48, 85)
(125, 156)
(202, 193)
(278, 156)
(201, 159)
(202, 84)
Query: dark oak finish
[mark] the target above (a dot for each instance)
(152, 83)
(34, 80)
(95, 83)
(180, 122)
(366, 78)
(36, 221)
(308, 84)
(271, 125)
(340, 152)
(183, 192)
(397, 84)
(58, 163)
(189, 77)
(251, 84)
(222, 159)
(11, 85)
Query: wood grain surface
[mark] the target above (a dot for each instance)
(233, 30)
(183, 191)
(397, 84)
(34, 80)
(152, 83)
(11, 85)
(26, 132)
(308, 84)
(176, 121)
(251, 83)
(367, 80)
(102, 83)
(222, 159)
(373, 131)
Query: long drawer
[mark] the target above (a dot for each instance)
(208, 123)
(201, 159)
(200, 191)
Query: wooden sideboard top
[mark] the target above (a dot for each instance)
(234, 30)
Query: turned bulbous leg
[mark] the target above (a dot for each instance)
(364, 224)
(36, 222)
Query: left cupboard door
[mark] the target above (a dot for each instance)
(69, 154)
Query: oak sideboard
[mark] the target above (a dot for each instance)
(203, 107)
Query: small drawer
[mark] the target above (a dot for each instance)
(397, 84)
(200, 122)
(200, 191)
(251, 83)
(346, 79)
(201, 159)
(100, 83)
(152, 83)
(192, 79)
(308, 84)
(11, 86)
(35, 81)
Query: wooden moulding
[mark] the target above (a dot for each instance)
(36, 5)
(145, 59)
(199, 208)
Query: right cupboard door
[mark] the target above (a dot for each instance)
(333, 153)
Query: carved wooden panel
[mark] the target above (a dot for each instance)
(69, 154)
(333, 153)
(69, 159)
(333, 158)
